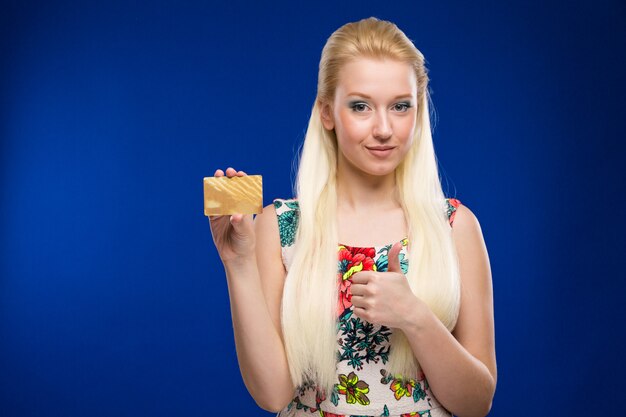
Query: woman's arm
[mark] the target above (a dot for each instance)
(255, 288)
(251, 253)
(461, 367)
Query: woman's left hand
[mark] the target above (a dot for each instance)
(385, 298)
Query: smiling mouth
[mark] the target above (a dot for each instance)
(383, 152)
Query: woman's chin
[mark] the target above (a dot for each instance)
(381, 172)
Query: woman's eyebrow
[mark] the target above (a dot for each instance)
(408, 95)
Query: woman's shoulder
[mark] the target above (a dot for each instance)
(463, 217)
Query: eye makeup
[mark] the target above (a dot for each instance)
(357, 105)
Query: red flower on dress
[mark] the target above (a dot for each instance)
(345, 296)
(351, 261)
(320, 396)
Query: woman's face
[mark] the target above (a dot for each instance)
(373, 114)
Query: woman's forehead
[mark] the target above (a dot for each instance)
(369, 78)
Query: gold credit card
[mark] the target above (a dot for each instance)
(235, 195)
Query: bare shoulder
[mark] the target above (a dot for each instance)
(269, 261)
(471, 249)
(466, 223)
(266, 222)
(267, 235)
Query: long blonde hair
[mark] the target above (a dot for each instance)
(309, 316)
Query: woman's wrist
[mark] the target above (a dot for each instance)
(241, 264)
(417, 317)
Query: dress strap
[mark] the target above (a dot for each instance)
(451, 206)
(288, 214)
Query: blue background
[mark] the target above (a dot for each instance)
(113, 300)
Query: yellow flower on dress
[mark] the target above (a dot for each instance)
(353, 389)
(401, 388)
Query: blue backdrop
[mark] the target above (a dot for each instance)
(113, 300)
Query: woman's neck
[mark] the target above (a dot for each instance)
(358, 192)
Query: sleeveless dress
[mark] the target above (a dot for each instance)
(364, 387)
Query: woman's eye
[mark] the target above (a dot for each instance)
(359, 107)
(402, 107)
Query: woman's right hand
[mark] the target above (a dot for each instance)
(233, 235)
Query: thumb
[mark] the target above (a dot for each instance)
(394, 258)
(237, 220)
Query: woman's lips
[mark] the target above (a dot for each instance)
(381, 152)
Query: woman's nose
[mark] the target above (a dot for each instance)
(382, 126)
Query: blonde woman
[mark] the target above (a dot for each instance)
(369, 293)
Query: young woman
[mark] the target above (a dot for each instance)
(329, 318)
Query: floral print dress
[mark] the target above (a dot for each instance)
(364, 387)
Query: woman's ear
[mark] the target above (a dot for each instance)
(326, 114)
